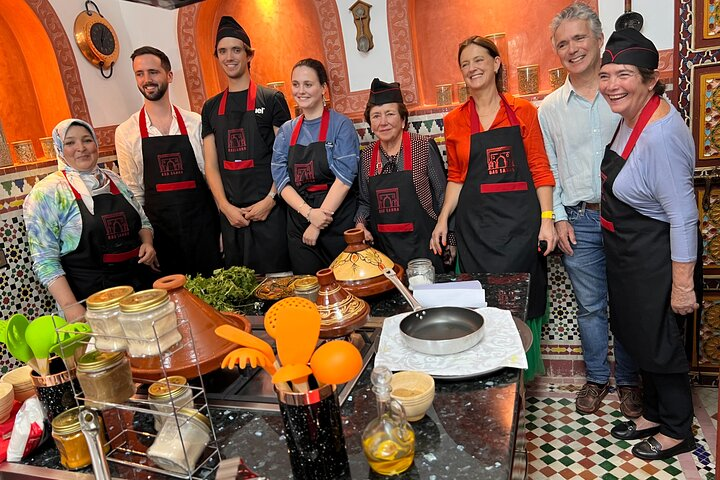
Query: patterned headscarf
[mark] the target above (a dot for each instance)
(58, 136)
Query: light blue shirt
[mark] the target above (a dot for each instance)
(576, 132)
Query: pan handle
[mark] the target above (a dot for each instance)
(390, 274)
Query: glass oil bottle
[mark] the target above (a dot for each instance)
(388, 440)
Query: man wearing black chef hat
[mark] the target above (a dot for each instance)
(401, 181)
(238, 128)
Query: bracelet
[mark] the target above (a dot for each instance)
(307, 217)
(548, 214)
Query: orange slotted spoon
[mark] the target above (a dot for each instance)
(286, 308)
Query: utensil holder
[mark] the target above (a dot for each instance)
(314, 435)
(55, 391)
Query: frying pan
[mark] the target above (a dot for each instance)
(437, 330)
(629, 19)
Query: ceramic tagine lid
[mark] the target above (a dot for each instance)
(359, 268)
(341, 312)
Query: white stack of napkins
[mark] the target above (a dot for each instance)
(468, 294)
(500, 347)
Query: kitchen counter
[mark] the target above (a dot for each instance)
(469, 432)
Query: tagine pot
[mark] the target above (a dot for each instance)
(196, 320)
(341, 312)
(359, 268)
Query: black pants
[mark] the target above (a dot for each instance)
(667, 400)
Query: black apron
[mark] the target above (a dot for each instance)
(311, 177)
(639, 271)
(244, 162)
(179, 204)
(498, 213)
(400, 225)
(107, 253)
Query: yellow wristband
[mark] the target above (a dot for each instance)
(548, 214)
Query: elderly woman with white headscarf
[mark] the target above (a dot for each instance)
(85, 230)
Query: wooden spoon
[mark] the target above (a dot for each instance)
(297, 374)
(235, 335)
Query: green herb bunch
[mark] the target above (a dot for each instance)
(226, 290)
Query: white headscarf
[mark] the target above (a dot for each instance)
(84, 182)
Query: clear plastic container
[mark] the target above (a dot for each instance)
(166, 392)
(420, 271)
(146, 316)
(106, 377)
(193, 434)
(103, 313)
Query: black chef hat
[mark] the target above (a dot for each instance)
(228, 27)
(630, 47)
(382, 93)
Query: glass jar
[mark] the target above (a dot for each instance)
(166, 392)
(106, 377)
(307, 287)
(103, 311)
(192, 430)
(70, 441)
(149, 321)
(420, 271)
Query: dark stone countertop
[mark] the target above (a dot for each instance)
(468, 433)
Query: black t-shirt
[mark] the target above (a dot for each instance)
(275, 111)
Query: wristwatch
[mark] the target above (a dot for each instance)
(548, 214)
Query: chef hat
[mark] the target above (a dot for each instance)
(228, 27)
(382, 92)
(630, 47)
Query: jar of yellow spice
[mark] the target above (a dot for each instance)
(70, 441)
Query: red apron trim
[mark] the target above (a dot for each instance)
(251, 96)
(647, 113)
(121, 257)
(323, 187)
(241, 165)
(143, 123)
(607, 224)
(475, 119)
(503, 187)
(395, 227)
(376, 164)
(324, 124)
(113, 188)
(170, 187)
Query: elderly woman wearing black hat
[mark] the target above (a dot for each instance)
(649, 219)
(401, 180)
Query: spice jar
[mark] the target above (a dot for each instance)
(192, 430)
(149, 321)
(105, 377)
(70, 441)
(166, 392)
(420, 271)
(307, 287)
(103, 312)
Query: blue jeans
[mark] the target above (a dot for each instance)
(586, 270)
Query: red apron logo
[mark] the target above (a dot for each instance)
(170, 164)
(236, 140)
(388, 200)
(499, 160)
(116, 225)
(304, 173)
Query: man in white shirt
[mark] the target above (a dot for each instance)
(577, 124)
(160, 155)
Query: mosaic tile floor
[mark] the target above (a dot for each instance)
(562, 444)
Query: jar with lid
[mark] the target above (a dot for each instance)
(103, 310)
(307, 287)
(167, 395)
(70, 441)
(191, 431)
(420, 271)
(105, 377)
(149, 321)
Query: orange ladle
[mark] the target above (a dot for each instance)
(297, 374)
(235, 335)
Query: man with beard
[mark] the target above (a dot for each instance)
(239, 127)
(159, 151)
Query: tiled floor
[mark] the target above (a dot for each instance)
(562, 444)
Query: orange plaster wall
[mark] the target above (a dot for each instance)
(441, 26)
(32, 95)
(278, 43)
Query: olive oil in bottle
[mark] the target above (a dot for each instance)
(388, 440)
